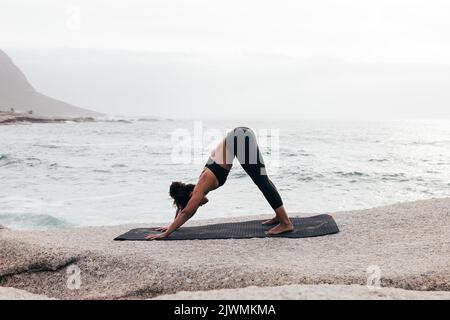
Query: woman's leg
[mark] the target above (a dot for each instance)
(241, 142)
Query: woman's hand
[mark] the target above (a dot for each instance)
(181, 218)
(156, 236)
(161, 229)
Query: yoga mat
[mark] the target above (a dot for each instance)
(304, 227)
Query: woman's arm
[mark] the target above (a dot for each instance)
(164, 229)
(181, 216)
(177, 212)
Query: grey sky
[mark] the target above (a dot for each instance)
(231, 53)
(392, 30)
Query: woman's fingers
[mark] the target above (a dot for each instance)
(155, 236)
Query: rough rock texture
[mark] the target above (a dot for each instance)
(409, 242)
(307, 292)
(17, 294)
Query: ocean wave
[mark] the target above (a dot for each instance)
(394, 175)
(53, 165)
(290, 152)
(148, 120)
(47, 146)
(400, 177)
(101, 171)
(237, 175)
(428, 143)
(32, 161)
(119, 165)
(378, 160)
(27, 221)
(351, 174)
(300, 154)
(6, 160)
(305, 179)
(138, 170)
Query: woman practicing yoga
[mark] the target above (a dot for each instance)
(240, 143)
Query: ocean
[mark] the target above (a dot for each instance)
(109, 173)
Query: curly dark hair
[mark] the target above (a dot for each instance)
(181, 193)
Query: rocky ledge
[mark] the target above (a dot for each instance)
(408, 244)
(309, 292)
(15, 117)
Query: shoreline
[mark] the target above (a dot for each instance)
(11, 118)
(8, 118)
(408, 241)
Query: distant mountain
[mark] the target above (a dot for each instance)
(16, 92)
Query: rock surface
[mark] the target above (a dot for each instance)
(408, 242)
(308, 292)
(17, 294)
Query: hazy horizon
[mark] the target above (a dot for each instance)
(202, 60)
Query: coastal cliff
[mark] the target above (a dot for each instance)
(408, 243)
(16, 93)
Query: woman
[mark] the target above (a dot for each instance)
(240, 143)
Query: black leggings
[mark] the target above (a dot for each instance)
(241, 143)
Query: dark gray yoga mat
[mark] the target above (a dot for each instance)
(304, 227)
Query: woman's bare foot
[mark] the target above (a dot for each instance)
(270, 221)
(280, 228)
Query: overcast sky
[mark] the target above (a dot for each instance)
(308, 34)
(390, 30)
